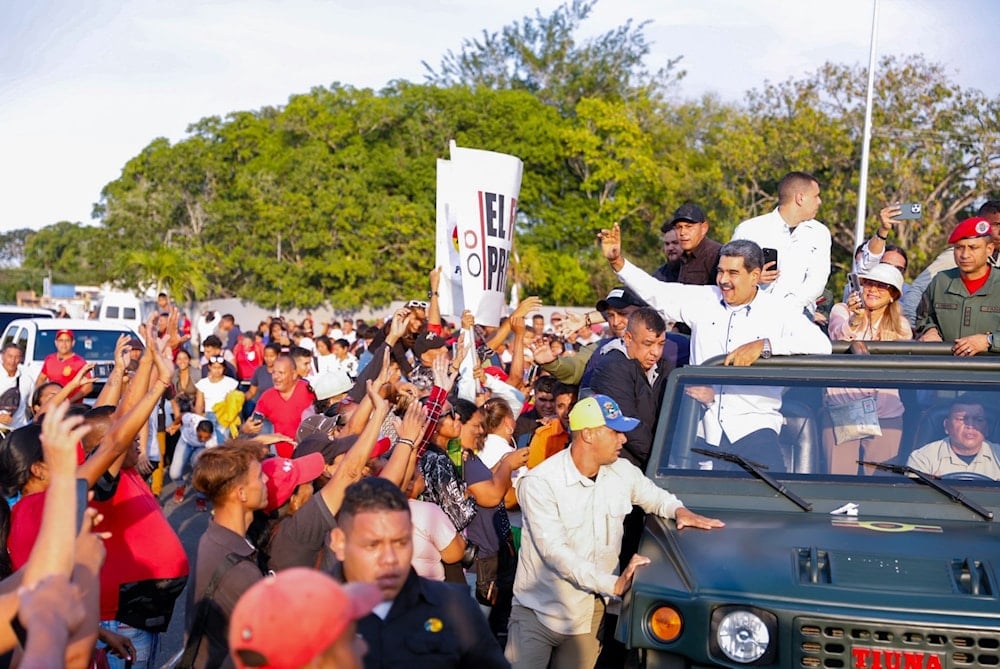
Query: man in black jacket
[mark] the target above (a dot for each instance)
(419, 623)
(633, 373)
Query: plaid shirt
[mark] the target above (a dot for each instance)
(434, 407)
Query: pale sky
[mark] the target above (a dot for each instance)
(86, 84)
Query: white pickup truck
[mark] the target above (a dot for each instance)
(95, 342)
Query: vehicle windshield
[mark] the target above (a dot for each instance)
(825, 428)
(91, 345)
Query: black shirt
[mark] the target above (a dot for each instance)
(431, 625)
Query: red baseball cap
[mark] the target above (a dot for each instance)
(284, 475)
(977, 226)
(284, 621)
(68, 333)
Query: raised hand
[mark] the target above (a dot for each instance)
(379, 405)
(611, 246)
(400, 321)
(59, 437)
(541, 352)
(120, 346)
(413, 423)
(442, 377)
(525, 307)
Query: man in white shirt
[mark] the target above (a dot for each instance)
(802, 243)
(739, 320)
(572, 508)
(13, 375)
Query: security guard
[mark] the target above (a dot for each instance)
(962, 305)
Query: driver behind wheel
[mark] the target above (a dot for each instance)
(965, 448)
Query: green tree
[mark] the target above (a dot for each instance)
(72, 252)
(542, 55)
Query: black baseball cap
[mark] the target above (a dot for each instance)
(689, 211)
(619, 298)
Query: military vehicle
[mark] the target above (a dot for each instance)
(879, 566)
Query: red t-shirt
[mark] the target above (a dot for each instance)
(285, 415)
(248, 360)
(62, 371)
(973, 285)
(142, 545)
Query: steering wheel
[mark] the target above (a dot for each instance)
(967, 476)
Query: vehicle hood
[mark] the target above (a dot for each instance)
(828, 558)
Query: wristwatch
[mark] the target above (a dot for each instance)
(989, 339)
(766, 351)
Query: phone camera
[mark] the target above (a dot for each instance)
(915, 208)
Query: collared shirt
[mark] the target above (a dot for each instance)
(803, 255)
(947, 306)
(430, 625)
(717, 329)
(937, 458)
(696, 267)
(572, 534)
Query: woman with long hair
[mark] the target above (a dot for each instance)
(871, 314)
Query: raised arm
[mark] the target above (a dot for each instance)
(434, 308)
(111, 393)
(491, 492)
(352, 466)
(108, 456)
(403, 461)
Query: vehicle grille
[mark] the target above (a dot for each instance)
(822, 643)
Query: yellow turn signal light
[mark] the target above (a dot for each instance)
(665, 623)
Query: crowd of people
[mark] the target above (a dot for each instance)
(362, 478)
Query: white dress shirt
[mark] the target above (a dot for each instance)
(803, 255)
(571, 535)
(718, 329)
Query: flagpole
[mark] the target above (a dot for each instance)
(859, 226)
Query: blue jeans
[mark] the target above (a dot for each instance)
(146, 645)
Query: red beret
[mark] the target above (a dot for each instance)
(970, 227)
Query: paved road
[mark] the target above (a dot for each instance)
(190, 525)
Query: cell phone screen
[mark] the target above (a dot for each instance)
(81, 502)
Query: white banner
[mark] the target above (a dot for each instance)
(476, 214)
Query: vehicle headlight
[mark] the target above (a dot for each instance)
(742, 636)
(665, 623)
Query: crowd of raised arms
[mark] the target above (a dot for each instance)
(362, 478)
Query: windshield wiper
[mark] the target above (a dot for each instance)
(757, 470)
(933, 482)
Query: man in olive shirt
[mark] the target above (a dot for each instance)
(962, 305)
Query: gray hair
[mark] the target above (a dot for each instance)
(753, 256)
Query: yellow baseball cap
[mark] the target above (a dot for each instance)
(600, 410)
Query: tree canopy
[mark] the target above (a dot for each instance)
(329, 198)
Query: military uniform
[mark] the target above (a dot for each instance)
(947, 305)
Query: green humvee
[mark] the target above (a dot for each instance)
(877, 568)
